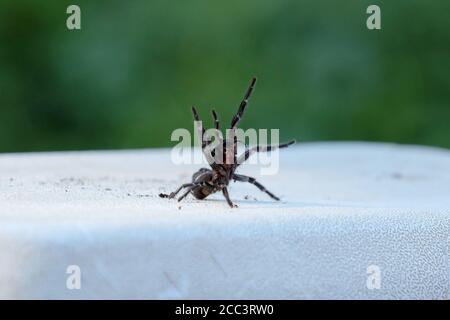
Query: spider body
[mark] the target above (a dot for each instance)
(205, 187)
(208, 181)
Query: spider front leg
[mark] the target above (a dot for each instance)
(238, 116)
(202, 132)
(216, 120)
(187, 192)
(247, 154)
(173, 194)
(198, 178)
(242, 178)
(227, 197)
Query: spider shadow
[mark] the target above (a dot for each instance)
(253, 203)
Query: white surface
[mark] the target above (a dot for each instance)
(344, 206)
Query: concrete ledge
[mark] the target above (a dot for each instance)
(345, 207)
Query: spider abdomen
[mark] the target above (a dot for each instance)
(202, 192)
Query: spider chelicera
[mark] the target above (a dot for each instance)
(208, 181)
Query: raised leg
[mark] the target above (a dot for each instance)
(234, 149)
(202, 133)
(217, 127)
(253, 150)
(242, 178)
(196, 116)
(216, 120)
(244, 102)
(227, 197)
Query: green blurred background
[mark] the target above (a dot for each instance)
(129, 77)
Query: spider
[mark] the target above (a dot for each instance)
(208, 181)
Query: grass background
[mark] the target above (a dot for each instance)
(129, 77)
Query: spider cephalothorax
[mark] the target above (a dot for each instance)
(208, 181)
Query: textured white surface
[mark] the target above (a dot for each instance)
(344, 206)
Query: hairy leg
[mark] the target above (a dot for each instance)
(216, 120)
(244, 102)
(249, 152)
(227, 197)
(173, 194)
(202, 133)
(186, 193)
(242, 178)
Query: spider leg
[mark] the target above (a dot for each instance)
(216, 120)
(258, 148)
(185, 185)
(209, 141)
(243, 104)
(238, 116)
(242, 178)
(186, 193)
(202, 134)
(202, 175)
(234, 148)
(205, 142)
(227, 197)
(196, 116)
